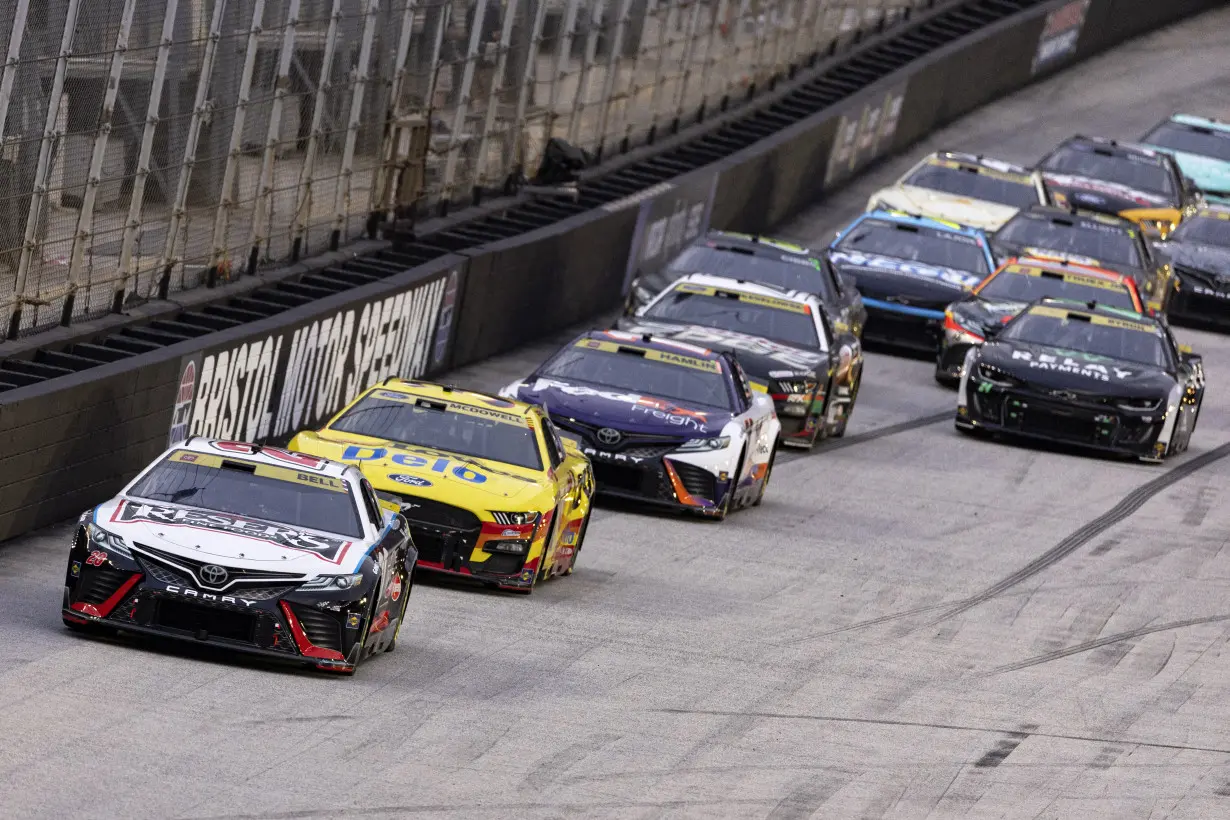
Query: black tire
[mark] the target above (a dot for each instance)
(407, 586)
(845, 420)
(768, 475)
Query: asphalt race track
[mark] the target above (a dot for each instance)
(913, 624)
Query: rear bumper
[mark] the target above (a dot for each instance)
(1198, 303)
(903, 326)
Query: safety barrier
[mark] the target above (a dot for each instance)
(78, 421)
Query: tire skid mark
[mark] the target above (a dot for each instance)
(1132, 502)
(1107, 641)
(947, 727)
(831, 445)
(1006, 746)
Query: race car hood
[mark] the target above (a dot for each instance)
(621, 409)
(763, 359)
(986, 314)
(976, 213)
(1099, 195)
(459, 480)
(1053, 368)
(1209, 259)
(233, 541)
(879, 277)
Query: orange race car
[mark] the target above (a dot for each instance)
(1010, 288)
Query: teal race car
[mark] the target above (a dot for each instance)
(1201, 147)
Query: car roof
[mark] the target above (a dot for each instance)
(1096, 216)
(1204, 122)
(1118, 147)
(982, 161)
(1060, 265)
(903, 218)
(646, 341)
(801, 297)
(259, 454)
(1095, 309)
(457, 395)
(752, 242)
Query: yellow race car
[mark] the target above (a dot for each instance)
(490, 490)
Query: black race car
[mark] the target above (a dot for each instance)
(750, 258)
(1111, 177)
(1079, 373)
(1088, 238)
(1199, 252)
(783, 340)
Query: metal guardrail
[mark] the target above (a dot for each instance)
(153, 146)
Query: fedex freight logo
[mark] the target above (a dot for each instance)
(275, 386)
(1060, 34)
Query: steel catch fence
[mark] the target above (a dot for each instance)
(153, 146)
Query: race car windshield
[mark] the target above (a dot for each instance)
(1107, 244)
(635, 374)
(1015, 286)
(1203, 230)
(930, 246)
(974, 185)
(799, 274)
(1124, 344)
(432, 424)
(1137, 174)
(724, 313)
(243, 493)
(1191, 139)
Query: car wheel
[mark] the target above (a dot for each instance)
(407, 586)
(845, 419)
(768, 475)
(576, 551)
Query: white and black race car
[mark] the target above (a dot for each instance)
(249, 548)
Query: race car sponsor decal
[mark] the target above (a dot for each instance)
(263, 470)
(326, 547)
(1070, 257)
(1060, 35)
(658, 408)
(708, 365)
(1067, 364)
(269, 387)
(428, 403)
(948, 276)
(450, 467)
(1085, 184)
(864, 134)
(410, 480)
(986, 168)
(793, 357)
(745, 298)
(1071, 277)
(97, 558)
(1108, 321)
(666, 223)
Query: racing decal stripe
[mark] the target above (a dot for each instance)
(893, 307)
(104, 609)
(264, 470)
(1174, 408)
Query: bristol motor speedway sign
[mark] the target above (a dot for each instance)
(272, 386)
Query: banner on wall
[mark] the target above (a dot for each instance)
(864, 134)
(1059, 37)
(271, 386)
(667, 223)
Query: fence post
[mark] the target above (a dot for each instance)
(342, 194)
(42, 174)
(136, 201)
(85, 219)
(382, 204)
(497, 85)
(199, 105)
(262, 205)
(612, 68)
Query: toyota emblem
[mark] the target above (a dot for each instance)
(213, 575)
(609, 437)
